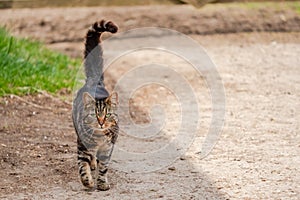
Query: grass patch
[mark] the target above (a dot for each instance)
(27, 66)
(296, 6)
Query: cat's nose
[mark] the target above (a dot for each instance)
(101, 121)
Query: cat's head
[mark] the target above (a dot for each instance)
(100, 113)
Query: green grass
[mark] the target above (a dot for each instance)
(27, 67)
(295, 6)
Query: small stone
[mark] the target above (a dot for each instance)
(182, 158)
(282, 17)
(171, 168)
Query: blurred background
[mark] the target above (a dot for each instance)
(255, 46)
(64, 3)
(67, 21)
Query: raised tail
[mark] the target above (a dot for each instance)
(93, 51)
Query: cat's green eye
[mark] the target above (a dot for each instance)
(107, 115)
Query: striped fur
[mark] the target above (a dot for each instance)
(94, 114)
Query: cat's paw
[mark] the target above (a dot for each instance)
(103, 186)
(87, 181)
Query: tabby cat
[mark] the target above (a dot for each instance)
(94, 113)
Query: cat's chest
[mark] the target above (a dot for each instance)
(98, 132)
(102, 137)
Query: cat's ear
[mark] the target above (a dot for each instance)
(87, 99)
(113, 99)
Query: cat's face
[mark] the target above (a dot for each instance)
(100, 114)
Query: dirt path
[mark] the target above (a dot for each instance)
(257, 155)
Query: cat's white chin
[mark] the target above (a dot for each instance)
(101, 128)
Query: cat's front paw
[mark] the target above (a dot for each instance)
(87, 181)
(103, 186)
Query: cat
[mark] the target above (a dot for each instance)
(94, 113)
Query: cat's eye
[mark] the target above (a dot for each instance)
(107, 115)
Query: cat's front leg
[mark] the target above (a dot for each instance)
(84, 165)
(103, 158)
(102, 182)
(85, 174)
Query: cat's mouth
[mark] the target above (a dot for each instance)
(102, 127)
